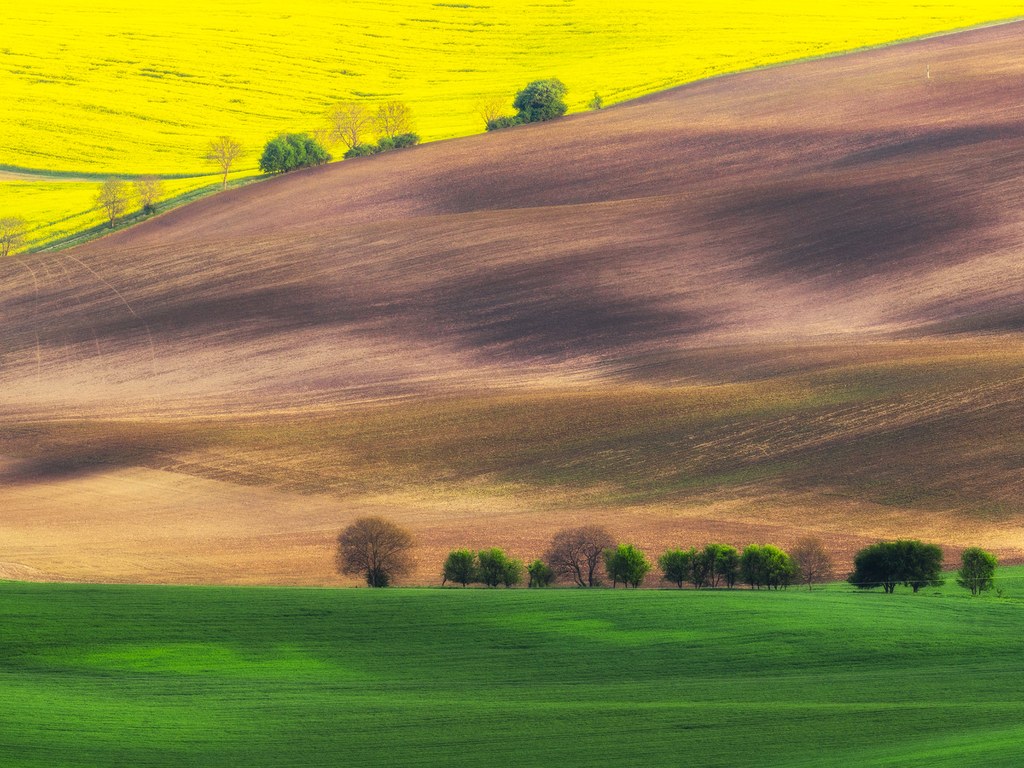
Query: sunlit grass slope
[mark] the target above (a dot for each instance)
(117, 87)
(113, 676)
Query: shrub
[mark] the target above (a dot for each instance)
(291, 151)
(460, 567)
(505, 121)
(361, 150)
(541, 100)
(403, 140)
(540, 574)
(597, 102)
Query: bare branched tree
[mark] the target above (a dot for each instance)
(576, 553)
(376, 549)
(491, 109)
(812, 561)
(113, 199)
(12, 234)
(223, 151)
(149, 190)
(393, 118)
(347, 122)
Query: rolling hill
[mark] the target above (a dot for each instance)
(762, 305)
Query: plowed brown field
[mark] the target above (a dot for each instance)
(774, 303)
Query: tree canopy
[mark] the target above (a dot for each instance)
(541, 100)
(291, 151)
(626, 564)
(977, 570)
(766, 566)
(459, 567)
(376, 549)
(889, 563)
(494, 567)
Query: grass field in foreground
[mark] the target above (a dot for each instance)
(155, 676)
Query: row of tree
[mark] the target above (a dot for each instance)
(380, 551)
(585, 556)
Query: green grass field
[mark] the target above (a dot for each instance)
(155, 676)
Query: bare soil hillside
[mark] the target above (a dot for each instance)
(773, 303)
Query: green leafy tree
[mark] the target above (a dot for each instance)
(375, 548)
(888, 563)
(291, 151)
(541, 100)
(676, 566)
(494, 567)
(627, 564)
(460, 567)
(727, 564)
(512, 575)
(977, 570)
(779, 568)
(753, 568)
(701, 568)
(540, 574)
(876, 565)
(717, 564)
(921, 564)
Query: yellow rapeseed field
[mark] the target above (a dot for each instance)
(121, 87)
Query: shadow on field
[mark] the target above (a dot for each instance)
(940, 140)
(53, 456)
(553, 310)
(849, 233)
